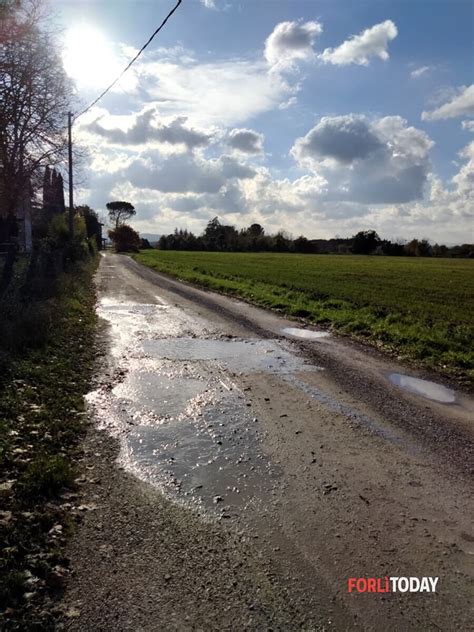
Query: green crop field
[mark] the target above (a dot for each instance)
(419, 308)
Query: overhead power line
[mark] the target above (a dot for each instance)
(132, 61)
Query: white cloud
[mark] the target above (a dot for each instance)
(168, 155)
(468, 126)
(290, 42)
(288, 104)
(419, 72)
(377, 162)
(209, 4)
(246, 141)
(206, 92)
(460, 105)
(464, 180)
(358, 49)
(189, 190)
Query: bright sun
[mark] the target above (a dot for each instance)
(89, 58)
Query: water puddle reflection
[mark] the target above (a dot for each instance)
(213, 460)
(236, 355)
(308, 334)
(425, 388)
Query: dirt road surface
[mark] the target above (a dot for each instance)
(243, 467)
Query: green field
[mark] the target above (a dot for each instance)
(419, 308)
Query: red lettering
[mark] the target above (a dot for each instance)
(382, 584)
(351, 583)
(361, 584)
(371, 584)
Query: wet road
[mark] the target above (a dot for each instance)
(338, 462)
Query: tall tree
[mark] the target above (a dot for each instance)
(119, 212)
(35, 95)
(365, 242)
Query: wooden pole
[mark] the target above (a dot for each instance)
(71, 192)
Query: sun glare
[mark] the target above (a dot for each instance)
(89, 58)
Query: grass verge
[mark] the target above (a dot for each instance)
(41, 423)
(418, 309)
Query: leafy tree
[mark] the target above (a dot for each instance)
(281, 242)
(119, 212)
(365, 242)
(418, 248)
(125, 239)
(144, 244)
(303, 245)
(440, 250)
(219, 237)
(35, 95)
(255, 230)
(464, 250)
(392, 249)
(92, 222)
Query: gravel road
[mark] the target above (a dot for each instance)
(241, 467)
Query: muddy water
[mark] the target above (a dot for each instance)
(184, 423)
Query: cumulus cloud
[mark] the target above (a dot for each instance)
(190, 190)
(462, 104)
(343, 138)
(464, 180)
(291, 41)
(358, 49)
(357, 172)
(372, 162)
(186, 173)
(246, 141)
(145, 129)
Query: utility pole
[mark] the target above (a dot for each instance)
(71, 193)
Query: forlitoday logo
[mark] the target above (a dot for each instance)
(392, 584)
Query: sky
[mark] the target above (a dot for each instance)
(320, 118)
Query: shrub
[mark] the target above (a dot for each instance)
(125, 239)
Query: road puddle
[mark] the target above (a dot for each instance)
(237, 355)
(212, 458)
(183, 423)
(425, 388)
(307, 334)
(157, 392)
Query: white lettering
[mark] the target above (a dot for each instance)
(414, 584)
(433, 581)
(425, 585)
(403, 584)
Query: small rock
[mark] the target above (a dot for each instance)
(5, 517)
(56, 530)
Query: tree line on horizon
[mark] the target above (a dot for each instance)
(218, 237)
